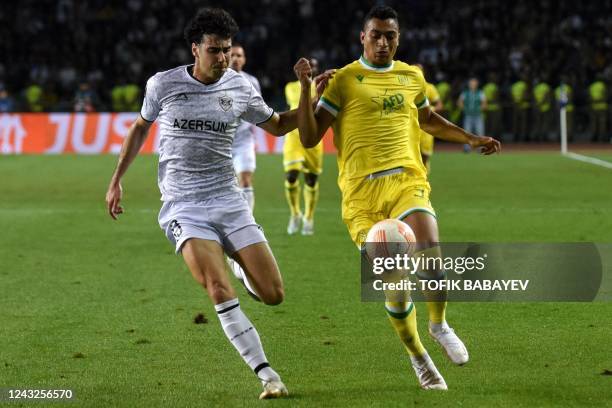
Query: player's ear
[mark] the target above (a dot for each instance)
(194, 50)
(362, 37)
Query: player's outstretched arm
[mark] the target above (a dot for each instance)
(134, 140)
(281, 123)
(441, 128)
(312, 126)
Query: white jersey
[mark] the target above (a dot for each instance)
(197, 127)
(246, 131)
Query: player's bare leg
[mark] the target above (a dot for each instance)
(205, 259)
(425, 228)
(262, 274)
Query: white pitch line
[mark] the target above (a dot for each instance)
(587, 159)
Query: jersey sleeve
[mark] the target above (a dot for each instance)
(421, 100)
(432, 94)
(330, 100)
(257, 111)
(257, 85)
(150, 105)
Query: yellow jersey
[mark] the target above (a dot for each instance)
(432, 93)
(376, 111)
(292, 93)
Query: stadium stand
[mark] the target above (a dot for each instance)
(114, 46)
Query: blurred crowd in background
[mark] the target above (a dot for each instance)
(96, 55)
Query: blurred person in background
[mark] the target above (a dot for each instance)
(493, 110)
(7, 104)
(125, 97)
(521, 104)
(85, 98)
(299, 159)
(444, 91)
(542, 98)
(564, 96)
(472, 102)
(243, 148)
(33, 97)
(598, 99)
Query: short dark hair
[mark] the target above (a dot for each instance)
(381, 13)
(210, 21)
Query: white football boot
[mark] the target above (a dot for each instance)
(453, 346)
(307, 226)
(427, 373)
(273, 389)
(242, 278)
(294, 224)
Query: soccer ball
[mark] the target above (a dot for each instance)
(388, 238)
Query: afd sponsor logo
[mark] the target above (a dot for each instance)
(389, 104)
(197, 124)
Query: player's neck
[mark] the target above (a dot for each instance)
(202, 76)
(374, 65)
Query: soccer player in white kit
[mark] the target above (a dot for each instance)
(243, 149)
(204, 213)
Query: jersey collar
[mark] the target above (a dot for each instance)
(367, 65)
(189, 72)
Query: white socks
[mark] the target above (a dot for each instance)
(436, 327)
(249, 194)
(243, 336)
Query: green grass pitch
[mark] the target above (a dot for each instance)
(105, 308)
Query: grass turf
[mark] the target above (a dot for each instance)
(106, 309)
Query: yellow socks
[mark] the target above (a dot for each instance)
(436, 299)
(311, 196)
(292, 192)
(402, 316)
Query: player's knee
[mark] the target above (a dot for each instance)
(273, 295)
(218, 290)
(292, 176)
(310, 179)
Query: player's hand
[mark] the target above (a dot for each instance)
(322, 80)
(488, 144)
(113, 198)
(303, 72)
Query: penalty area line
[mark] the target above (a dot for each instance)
(588, 159)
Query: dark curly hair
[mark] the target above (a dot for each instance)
(381, 13)
(210, 21)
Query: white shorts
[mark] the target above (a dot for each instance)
(227, 220)
(244, 157)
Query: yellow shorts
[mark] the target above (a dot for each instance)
(427, 144)
(297, 157)
(369, 200)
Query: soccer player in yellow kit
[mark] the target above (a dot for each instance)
(377, 107)
(296, 159)
(427, 140)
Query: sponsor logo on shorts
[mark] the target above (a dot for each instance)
(176, 229)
